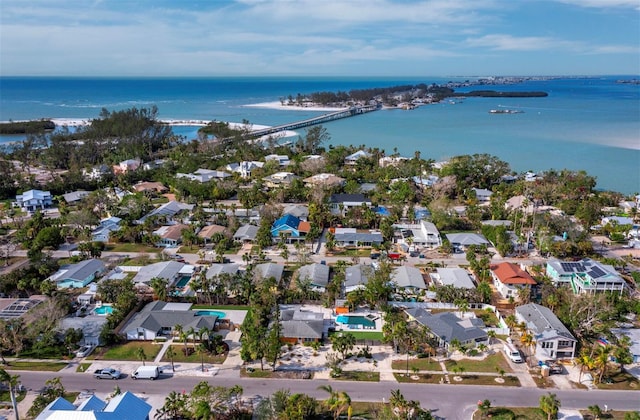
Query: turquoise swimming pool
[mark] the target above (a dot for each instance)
(208, 312)
(103, 310)
(365, 322)
(183, 281)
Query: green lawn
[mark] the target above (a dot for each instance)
(620, 381)
(518, 413)
(127, 351)
(41, 365)
(82, 367)
(357, 375)
(194, 357)
(422, 364)
(484, 380)
(129, 247)
(256, 373)
(362, 335)
(422, 378)
(610, 415)
(6, 397)
(489, 364)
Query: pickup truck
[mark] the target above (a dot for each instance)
(108, 373)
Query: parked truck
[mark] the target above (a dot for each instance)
(147, 372)
(108, 373)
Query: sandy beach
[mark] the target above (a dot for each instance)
(278, 105)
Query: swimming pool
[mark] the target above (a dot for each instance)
(183, 281)
(355, 320)
(103, 310)
(209, 312)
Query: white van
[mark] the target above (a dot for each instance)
(146, 372)
(512, 353)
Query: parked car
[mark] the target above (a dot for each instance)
(84, 351)
(147, 372)
(108, 373)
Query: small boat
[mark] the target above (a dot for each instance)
(505, 111)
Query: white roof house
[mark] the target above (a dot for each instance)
(353, 158)
(316, 274)
(34, 199)
(356, 276)
(168, 270)
(204, 175)
(456, 277)
(283, 160)
(553, 339)
(407, 277)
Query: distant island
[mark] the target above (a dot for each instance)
(26, 127)
(407, 96)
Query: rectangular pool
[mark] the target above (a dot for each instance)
(356, 320)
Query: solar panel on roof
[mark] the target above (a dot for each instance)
(596, 272)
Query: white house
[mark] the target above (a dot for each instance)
(509, 278)
(33, 200)
(103, 232)
(283, 160)
(341, 203)
(553, 340)
(204, 175)
(408, 278)
(482, 195)
(353, 158)
(585, 276)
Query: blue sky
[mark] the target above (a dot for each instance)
(319, 37)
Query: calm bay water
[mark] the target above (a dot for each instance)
(584, 123)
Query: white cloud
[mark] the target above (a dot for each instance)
(604, 4)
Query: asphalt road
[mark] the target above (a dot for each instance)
(451, 402)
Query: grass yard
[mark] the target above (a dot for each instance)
(127, 351)
(6, 397)
(362, 335)
(129, 247)
(358, 375)
(620, 381)
(40, 365)
(611, 415)
(422, 364)
(519, 413)
(256, 373)
(360, 410)
(488, 364)
(484, 380)
(194, 357)
(82, 367)
(422, 378)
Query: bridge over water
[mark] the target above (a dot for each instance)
(321, 119)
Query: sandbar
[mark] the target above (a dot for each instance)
(278, 105)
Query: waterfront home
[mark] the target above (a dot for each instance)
(454, 276)
(585, 276)
(446, 327)
(301, 326)
(617, 221)
(169, 212)
(552, 339)
(357, 276)
(75, 196)
(339, 204)
(33, 200)
(385, 161)
(289, 228)
(352, 237)
(509, 279)
(279, 179)
(246, 234)
(126, 166)
(150, 187)
(408, 279)
(324, 180)
(204, 175)
(75, 276)
(316, 274)
(158, 319)
(122, 406)
(462, 241)
(103, 232)
(170, 271)
(169, 236)
(267, 270)
(353, 158)
(424, 182)
(283, 160)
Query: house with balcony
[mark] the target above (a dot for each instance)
(552, 339)
(585, 276)
(33, 200)
(289, 228)
(509, 279)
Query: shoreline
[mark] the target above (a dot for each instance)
(278, 105)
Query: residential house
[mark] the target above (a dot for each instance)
(158, 319)
(424, 182)
(77, 275)
(168, 211)
(341, 203)
(461, 241)
(482, 194)
(171, 271)
(585, 276)
(244, 168)
(126, 166)
(289, 228)
(298, 326)
(391, 161)
(279, 179)
(96, 172)
(103, 232)
(446, 327)
(509, 279)
(345, 237)
(301, 211)
(216, 270)
(357, 276)
(552, 339)
(283, 160)
(617, 221)
(505, 223)
(267, 270)
(150, 187)
(246, 233)
(454, 276)
(75, 196)
(424, 234)
(122, 406)
(634, 336)
(33, 200)
(324, 180)
(204, 175)
(316, 274)
(170, 236)
(207, 232)
(408, 278)
(353, 158)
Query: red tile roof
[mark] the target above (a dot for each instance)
(509, 273)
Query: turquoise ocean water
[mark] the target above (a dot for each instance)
(584, 123)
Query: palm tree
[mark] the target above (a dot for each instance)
(140, 354)
(586, 362)
(528, 342)
(12, 382)
(602, 360)
(550, 405)
(491, 334)
(159, 286)
(201, 349)
(595, 410)
(191, 333)
(170, 353)
(337, 402)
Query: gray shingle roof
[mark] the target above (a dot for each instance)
(457, 277)
(301, 324)
(357, 275)
(447, 326)
(317, 274)
(165, 270)
(153, 318)
(246, 233)
(466, 239)
(541, 321)
(406, 276)
(216, 269)
(82, 270)
(267, 270)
